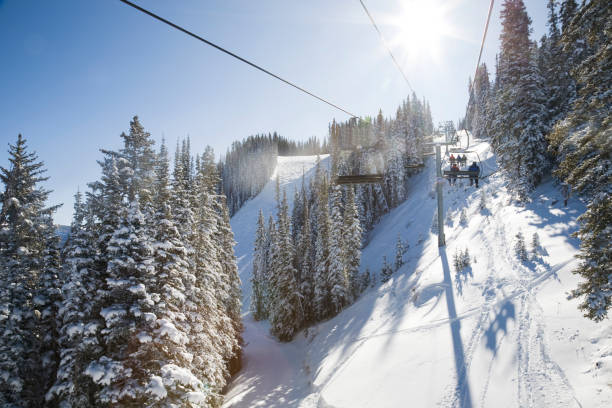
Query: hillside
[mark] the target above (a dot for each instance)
(498, 333)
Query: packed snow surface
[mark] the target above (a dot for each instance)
(499, 333)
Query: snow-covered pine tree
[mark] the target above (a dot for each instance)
(337, 278)
(520, 248)
(399, 253)
(519, 137)
(258, 279)
(286, 317)
(569, 8)
(138, 152)
(322, 246)
(352, 242)
(386, 271)
(163, 342)
(535, 246)
(582, 145)
(27, 305)
(212, 333)
(120, 373)
(305, 266)
(366, 280)
(559, 87)
(273, 266)
(481, 95)
(231, 281)
(77, 320)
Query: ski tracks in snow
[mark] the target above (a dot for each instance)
(540, 380)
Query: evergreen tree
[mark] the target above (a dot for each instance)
(127, 312)
(519, 133)
(78, 321)
(258, 282)
(140, 161)
(568, 11)
(386, 270)
(305, 266)
(352, 241)
(583, 149)
(28, 270)
(366, 280)
(399, 253)
(286, 315)
(519, 246)
(322, 246)
(337, 278)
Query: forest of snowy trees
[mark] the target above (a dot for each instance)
(248, 165)
(548, 110)
(387, 146)
(306, 263)
(141, 307)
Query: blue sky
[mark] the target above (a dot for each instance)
(73, 72)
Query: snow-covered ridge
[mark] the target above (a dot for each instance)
(497, 333)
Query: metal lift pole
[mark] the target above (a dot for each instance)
(439, 185)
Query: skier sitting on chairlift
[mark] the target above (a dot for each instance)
(474, 179)
(463, 160)
(452, 159)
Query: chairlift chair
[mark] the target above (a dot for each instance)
(465, 173)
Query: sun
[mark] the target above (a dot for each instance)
(419, 29)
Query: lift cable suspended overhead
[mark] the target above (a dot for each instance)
(484, 36)
(176, 26)
(382, 38)
(468, 173)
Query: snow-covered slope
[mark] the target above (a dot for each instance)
(499, 333)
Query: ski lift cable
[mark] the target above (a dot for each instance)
(382, 38)
(484, 36)
(218, 47)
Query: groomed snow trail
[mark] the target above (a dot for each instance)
(271, 374)
(498, 333)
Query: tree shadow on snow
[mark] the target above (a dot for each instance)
(499, 324)
(462, 277)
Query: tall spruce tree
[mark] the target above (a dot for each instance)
(258, 282)
(322, 245)
(337, 278)
(28, 269)
(78, 320)
(286, 315)
(352, 242)
(583, 148)
(519, 133)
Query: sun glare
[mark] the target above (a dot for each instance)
(419, 28)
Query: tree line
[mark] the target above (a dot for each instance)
(548, 111)
(306, 264)
(386, 146)
(248, 164)
(141, 307)
(306, 261)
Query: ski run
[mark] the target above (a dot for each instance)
(499, 332)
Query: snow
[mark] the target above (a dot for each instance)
(174, 375)
(501, 332)
(138, 289)
(111, 313)
(167, 329)
(156, 387)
